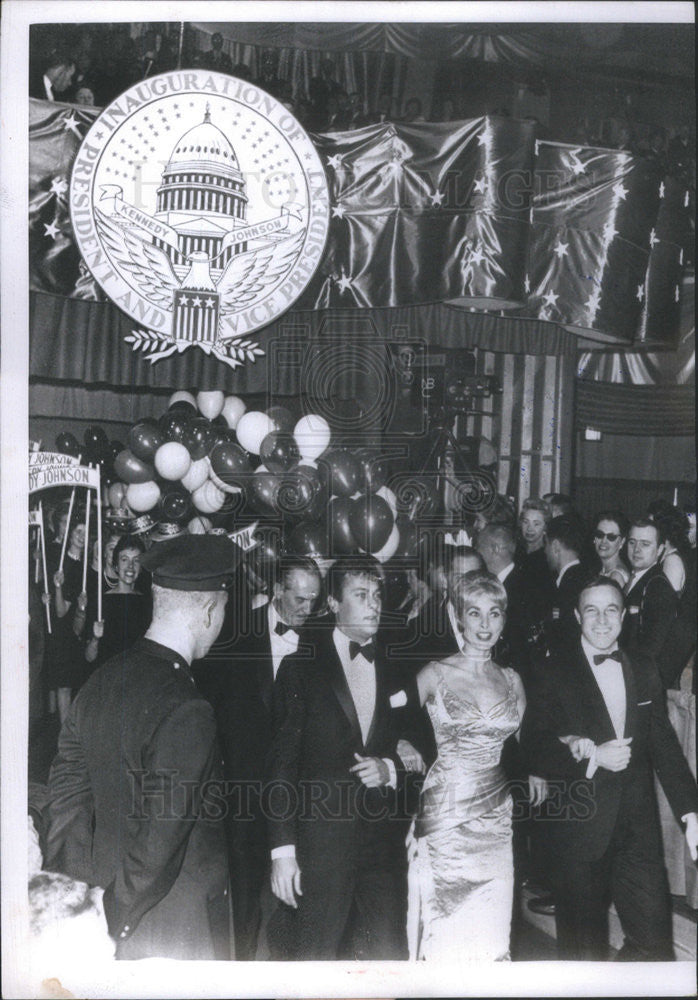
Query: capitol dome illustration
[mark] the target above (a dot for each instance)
(202, 195)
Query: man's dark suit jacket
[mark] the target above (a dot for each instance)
(561, 626)
(313, 749)
(650, 617)
(582, 813)
(115, 820)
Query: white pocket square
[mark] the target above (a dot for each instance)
(644, 703)
(398, 699)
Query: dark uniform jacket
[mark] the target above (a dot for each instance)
(133, 806)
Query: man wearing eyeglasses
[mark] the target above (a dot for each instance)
(650, 600)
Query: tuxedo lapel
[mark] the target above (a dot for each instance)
(630, 696)
(338, 683)
(380, 700)
(266, 668)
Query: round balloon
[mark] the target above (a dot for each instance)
(252, 428)
(230, 463)
(131, 469)
(116, 494)
(199, 525)
(374, 470)
(233, 409)
(389, 498)
(174, 423)
(145, 438)
(172, 460)
(283, 418)
(262, 490)
(210, 403)
(114, 448)
(183, 400)
(175, 503)
(343, 472)
(312, 434)
(67, 444)
(279, 451)
(199, 437)
(390, 547)
(95, 438)
(142, 496)
(208, 498)
(309, 538)
(371, 521)
(342, 540)
(196, 475)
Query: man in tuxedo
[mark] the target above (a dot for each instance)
(650, 600)
(496, 543)
(243, 705)
(564, 542)
(597, 729)
(337, 830)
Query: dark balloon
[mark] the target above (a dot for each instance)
(262, 491)
(283, 418)
(223, 434)
(67, 444)
(297, 499)
(114, 448)
(411, 540)
(343, 472)
(199, 438)
(309, 538)
(95, 439)
(130, 469)
(371, 521)
(230, 463)
(343, 542)
(279, 451)
(174, 423)
(183, 406)
(374, 470)
(175, 503)
(144, 439)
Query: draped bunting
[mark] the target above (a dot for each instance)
(431, 212)
(591, 220)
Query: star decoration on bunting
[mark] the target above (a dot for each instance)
(527, 285)
(343, 283)
(640, 294)
(561, 249)
(550, 298)
(482, 137)
(592, 303)
(661, 190)
(58, 187)
(476, 256)
(653, 238)
(210, 303)
(609, 231)
(196, 302)
(436, 198)
(479, 185)
(338, 211)
(51, 230)
(335, 161)
(72, 124)
(620, 191)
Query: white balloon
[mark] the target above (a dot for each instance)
(199, 525)
(233, 409)
(172, 460)
(226, 487)
(196, 475)
(389, 498)
(142, 497)
(312, 434)
(251, 430)
(181, 397)
(390, 547)
(210, 403)
(208, 498)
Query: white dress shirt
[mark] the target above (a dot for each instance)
(504, 573)
(569, 565)
(281, 645)
(609, 677)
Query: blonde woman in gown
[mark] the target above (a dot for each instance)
(464, 864)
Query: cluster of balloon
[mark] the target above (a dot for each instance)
(96, 449)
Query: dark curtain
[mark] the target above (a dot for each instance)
(642, 410)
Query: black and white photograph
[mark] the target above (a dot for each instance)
(348, 522)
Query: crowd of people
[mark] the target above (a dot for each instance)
(323, 755)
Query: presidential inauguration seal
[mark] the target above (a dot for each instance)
(201, 207)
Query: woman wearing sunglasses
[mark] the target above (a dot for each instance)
(610, 532)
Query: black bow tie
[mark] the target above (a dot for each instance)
(368, 651)
(601, 657)
(281, 628)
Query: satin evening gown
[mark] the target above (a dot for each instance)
(464, 863)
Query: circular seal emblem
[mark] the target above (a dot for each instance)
(201, 207)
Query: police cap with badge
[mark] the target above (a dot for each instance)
(193, 562)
